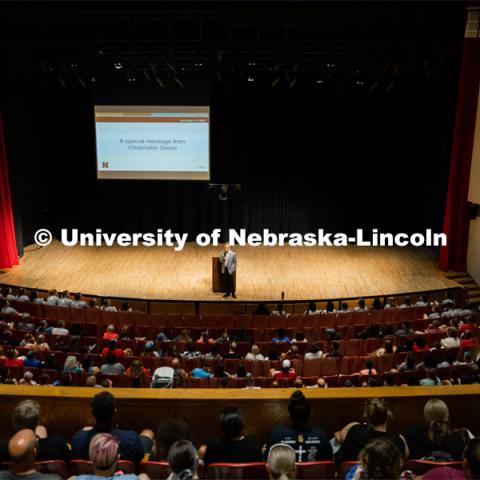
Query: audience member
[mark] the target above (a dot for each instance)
(26, 415)
(435, 439)
(104, 411)
(168, 432)
(183, 461)
(104, 453)
(281, 462)
(354, 436)
(310, 443)
(254, 354)
(233, 445)
(22, 449)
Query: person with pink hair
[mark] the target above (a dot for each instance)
(103, 453)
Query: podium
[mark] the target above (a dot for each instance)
(218, 280)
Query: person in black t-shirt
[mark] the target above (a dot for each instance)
(355, 436)
(233, 446)
(436, 440)
(310, 443)
(25, 416)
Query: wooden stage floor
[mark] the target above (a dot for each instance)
(263, 272)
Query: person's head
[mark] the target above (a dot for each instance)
(33, 295)
(389, 379)
(169, 432)
(281, 333)
(280, 307)
(104, 409)
(361, 303)
(26, 415)
(111, 358)
(344, 306)
(286, 365)
(388, 346)
(22, 448)
(408, 301)
(471, 459)
(299, 409)
(125, 307)
(137, 368)
(298, 383)
(77, 296)
(294, 349)
(183, 460)
(281, 462)
(369, 364)
(376, 304)
(330, 306)
(452, 332)
(335, 347)
(314, 348)
(233, 347)
(420, 341)
(376, 412)
(467, 335)
(436, 416)
(91, 381)
(28, 377)
(241, 371)
(255, 349)
(381, 459)
(226, 247)
(103, 452)
(231, 422)
(312, 307)
(175, 363)
(71, 363)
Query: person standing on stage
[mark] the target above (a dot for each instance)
(228, 259)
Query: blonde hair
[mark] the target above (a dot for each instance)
(103, 451)
(281, 461)
(71, 362)
(436, 410)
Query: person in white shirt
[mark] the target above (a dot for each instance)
(314, 352)
(391, 303)
(22, 296)
(279, 311)
(64, 300)
(78, 303)
(312, 309)
(52, 298)
(407, 303)
(107, 305)
(254, 354)
(60, 329)
(423, 302)
(451, 340)
(361, 307)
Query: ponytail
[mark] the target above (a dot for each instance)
(438, 431)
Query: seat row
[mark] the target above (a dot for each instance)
(219, 471)
(330, 320)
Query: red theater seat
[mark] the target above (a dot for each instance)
(316, 470)
(311, 368)
(155, 470)
(237, 471)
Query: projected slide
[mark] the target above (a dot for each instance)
(149, 142)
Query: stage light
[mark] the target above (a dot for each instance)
(62, 82)
(275, 82)
(224, 189)
(250, 78)
(319, 81)
(118, 65)
(293, 82)
(159, 82)
(94, 78)
(146, 75)
(81, 82)
(130, 77)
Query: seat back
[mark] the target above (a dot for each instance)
(314, 470)
(81, 467)
(155, 470)
(237, 471)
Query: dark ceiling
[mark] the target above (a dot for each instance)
(152, 39)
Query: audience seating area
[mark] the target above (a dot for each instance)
(140, 327)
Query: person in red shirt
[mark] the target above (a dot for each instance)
(12, 360)
(112, 347)
(110, 334)
(468, 325)
(467, 339)
(285, 372)
(420, 344)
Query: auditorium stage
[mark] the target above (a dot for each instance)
(263, 272)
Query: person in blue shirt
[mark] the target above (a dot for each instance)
(201, 372)
(32, 361)
(281, 338)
